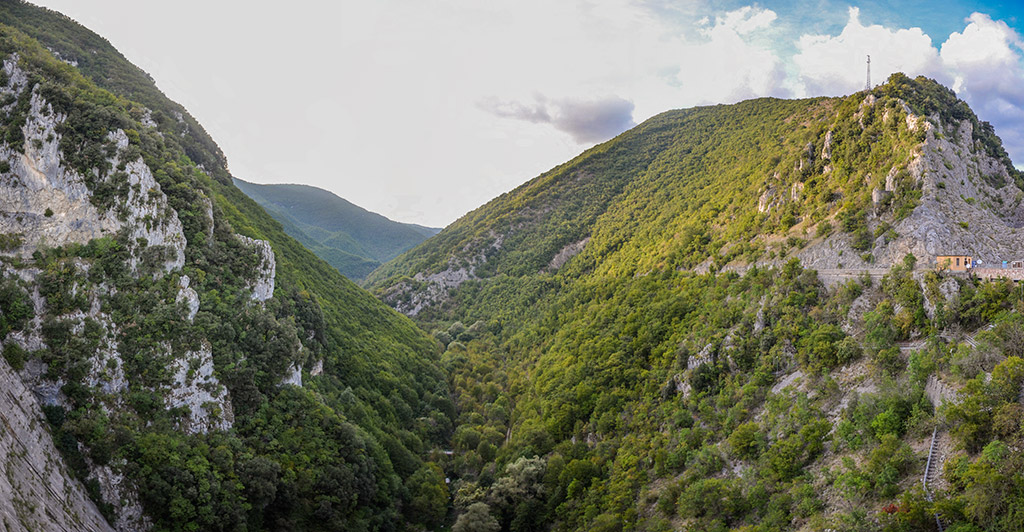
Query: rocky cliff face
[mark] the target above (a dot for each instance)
(969, 205)
(40, 200)
(262, 284)
(45, 203)
(173, 337)
(35, 492)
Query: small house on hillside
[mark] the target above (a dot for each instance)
(954, 263)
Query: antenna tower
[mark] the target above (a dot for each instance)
(867, 86)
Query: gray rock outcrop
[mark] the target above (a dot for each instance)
(969, 205)
(263, 284)
(197, 388)
(188, 296)
(49, 204)
(36, 492)
(566, 253)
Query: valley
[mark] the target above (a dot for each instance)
(731, 318)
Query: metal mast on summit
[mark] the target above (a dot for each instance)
(867, 86)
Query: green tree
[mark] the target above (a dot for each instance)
(477, 518)
(428, 495)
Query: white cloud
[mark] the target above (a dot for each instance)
(983, 64)
(425, 110)
(833, 65)
(727, 67)
(986, 64)
(744, 20)
(986, 58)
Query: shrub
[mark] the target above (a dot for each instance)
(15, 356)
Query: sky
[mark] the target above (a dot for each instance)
(422, 110)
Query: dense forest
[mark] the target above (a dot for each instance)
(604, 381)
(728, 402)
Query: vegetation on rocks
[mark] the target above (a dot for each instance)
(626, 389)
(349, 449)
(624, 343)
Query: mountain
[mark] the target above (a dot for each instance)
(348, 237)
(727, 318)
(172, 359)
(733, 318)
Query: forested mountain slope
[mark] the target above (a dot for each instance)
(635, 344)
(348, 237)
(197, 368)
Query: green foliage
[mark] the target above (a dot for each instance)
(745, 440)
(15, 307)
(348, 237)
(428, 495)
(643, 387)
(880, 333)
(477, 518)
(346, 452)
(820, 349)
(583, 396)
(10, 241)
(15, 356)
(981, 400)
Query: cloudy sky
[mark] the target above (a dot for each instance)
(424, 110)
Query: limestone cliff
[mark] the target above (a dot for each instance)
(185, 364)
(46, 203)
(35, 492)
(969, 205)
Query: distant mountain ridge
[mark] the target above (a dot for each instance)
(347, 236)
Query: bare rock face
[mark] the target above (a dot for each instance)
(438, 285)
(188, 296)
(796, 191)
(150, 217)
(432, 288)
(49, 204)
(969, 205)
(890, 179)
(939, 392)
(106, 371)
(40, 199)
(700, 358)
(36, 492)
(119, 492)
(294, 376)
(197, 388)
(263, 285)
(566, 253)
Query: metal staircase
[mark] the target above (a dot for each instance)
(929, 470)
